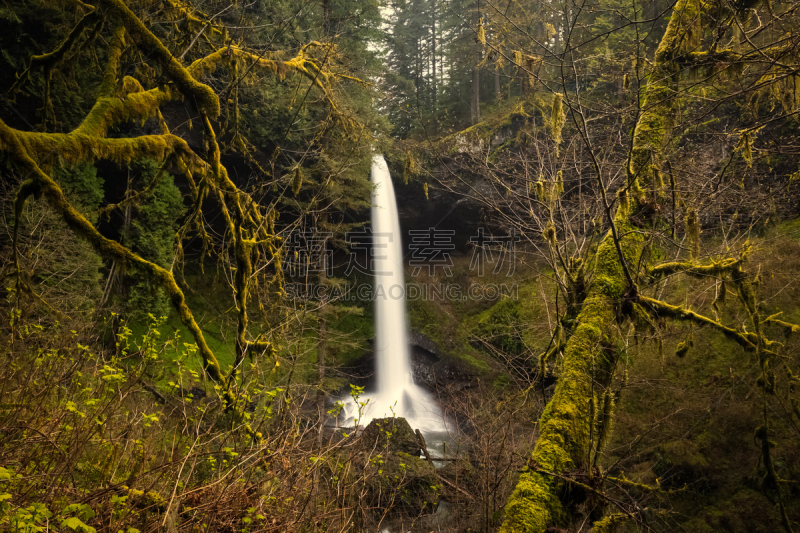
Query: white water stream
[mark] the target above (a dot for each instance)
(396, 394)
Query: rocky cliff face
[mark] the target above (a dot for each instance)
(432, 367)
(443, 210)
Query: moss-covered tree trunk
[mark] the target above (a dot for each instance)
(566, 428)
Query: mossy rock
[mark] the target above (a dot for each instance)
(680, 462)
(392, 435)
(406, 483)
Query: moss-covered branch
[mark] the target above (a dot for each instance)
(788, 327)
(300, 63)
(715, 269)
(71, 148)
(49, 189)
(200, 94)
(248, 223)
(115, 49)
(745, 339)
(565, 438)
(565, 426)
(655, 123)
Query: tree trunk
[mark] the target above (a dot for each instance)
(434, 85)
(475, 107)
(326, 18)
(566, 425)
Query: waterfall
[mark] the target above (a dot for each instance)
(392, 358)
(395, 394)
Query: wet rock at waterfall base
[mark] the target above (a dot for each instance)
(397, 483)
(394, 434)
(406, 482)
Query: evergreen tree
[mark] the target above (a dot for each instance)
(152, 234)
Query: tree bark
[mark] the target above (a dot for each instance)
(434, 84)
(475, 107)
(565, 438)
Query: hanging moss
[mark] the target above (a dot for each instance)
(642, 319)
(549, 234)
(624, 204)
(557, 119)
(719, 298)
(410, 168)
(745, 147)
(481, 33)
(693, 232)
(684, 346)
(658, 181)
(605, 421)
(297, 180)
(540, 192)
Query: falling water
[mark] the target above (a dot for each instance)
(392, 360)
(396, 393)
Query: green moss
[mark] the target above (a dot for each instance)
(557, 119)
(200, 94)
(115, 48)
(716, 268)
(501, 326)
(532, 506)
(609, 523)
(650, 133)
(682, 31)
(567, 422)
(72, 148)
(9, 141)
(355, 331)
(111, 110)
(745, 339)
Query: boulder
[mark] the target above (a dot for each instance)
(393, 434)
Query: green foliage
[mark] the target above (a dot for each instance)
(152, 234)
(501, 326)
(83, 187)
